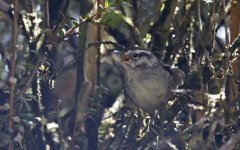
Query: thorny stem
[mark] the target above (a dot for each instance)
(71, 30)
(12, 79)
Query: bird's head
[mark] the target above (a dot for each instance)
(136, 58)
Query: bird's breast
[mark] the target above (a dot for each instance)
(147, 90)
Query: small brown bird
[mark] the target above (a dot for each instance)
(148, 83)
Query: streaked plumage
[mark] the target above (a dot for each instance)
(147, 83)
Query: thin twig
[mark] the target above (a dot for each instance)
(47, 16)
(235, 44)
(71, 30)
(225, 27)
(79, 117)
(12, 79)
(29, 81)
(60, 124)
(199, 15)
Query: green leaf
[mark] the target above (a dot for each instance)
(61, 33)
(106, 3)
(74, 23)
(111, 18)
(48, 32)
(80, 19)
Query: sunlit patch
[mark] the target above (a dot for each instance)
(32, 21)
(106, 130)
(147, 38)
(214, 98)
(222, 33)
(208, 1)
(52, 126)
(196, 107)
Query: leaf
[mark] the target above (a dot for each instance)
(74, 23)
(106, 3)
(111, 18)
(61, 33)
(4, 107)
(48, 32)
(80, 19)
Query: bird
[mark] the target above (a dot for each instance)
(110, 79)
(148, 82)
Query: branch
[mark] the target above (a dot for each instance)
(235, 44)
(29, 81)
(12, 79)
(71, 30)
(162, 26)
(47, 16)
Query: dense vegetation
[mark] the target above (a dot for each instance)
(59, 88)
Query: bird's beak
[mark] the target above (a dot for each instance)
(121, 60)
(119, 57)
(124, 57)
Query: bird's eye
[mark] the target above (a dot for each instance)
(135, 56)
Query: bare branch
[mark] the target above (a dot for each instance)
(12, 79)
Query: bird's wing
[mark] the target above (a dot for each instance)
(177, 74)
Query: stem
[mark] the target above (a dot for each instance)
(71, 30)
(47, 16)
(29, 81)
(60, 124)
(199, 15)
(12, 79)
